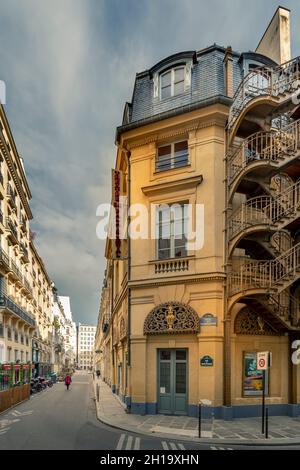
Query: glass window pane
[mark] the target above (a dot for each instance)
(166, 79)
(164, 254)
(165, 355)
(163, 161)
(164, 150)
(164, 231)
(178, 88)
(181, 355)
(166, 92)
(178, 229)
(181, 146)
(181, 377)
(179, 74)
(165, 376)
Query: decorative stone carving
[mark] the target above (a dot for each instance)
(123, 331)
(248, 323)
(171, 318)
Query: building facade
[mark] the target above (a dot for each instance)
(26, 291)
(85, 346)
(209, 136)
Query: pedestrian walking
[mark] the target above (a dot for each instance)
(68, 381)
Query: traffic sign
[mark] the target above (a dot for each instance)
(263, 360)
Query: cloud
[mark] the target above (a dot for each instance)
(69, 67)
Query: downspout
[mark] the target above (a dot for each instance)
(127, 153)
(129, 262)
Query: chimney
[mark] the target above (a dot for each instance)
(276, 41)
(228, 72)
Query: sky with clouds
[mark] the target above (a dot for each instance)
(69, 66)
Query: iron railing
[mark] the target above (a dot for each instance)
(266, 210)
(270, 147)
(6, 302)
(266, 81)
(267, 275)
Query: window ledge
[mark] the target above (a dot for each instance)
(159, 172)
(184, 183)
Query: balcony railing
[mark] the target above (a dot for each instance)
(266, 210)
(4, 259)
(13, 229)
(169, 162)
(11, 195)
(266, 81)
(24, 250)
(270, 147)
(27, 285)
(14, 268)
(267, 275)
(23, 223)
(6, 302)
(169, 266)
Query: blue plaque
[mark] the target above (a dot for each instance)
(208, 320)
(206, 361)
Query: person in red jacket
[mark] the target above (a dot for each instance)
(68, 381)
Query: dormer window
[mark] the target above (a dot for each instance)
(172, 82)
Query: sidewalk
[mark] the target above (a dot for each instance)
(283, 430)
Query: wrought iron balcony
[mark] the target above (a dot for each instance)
(15, 270)
(27, 285)
(24, 252)
(264, 152)
(4, 259)
(11, 196)
(13, 230)
(8, 304)
(265, 81)
(22, 222)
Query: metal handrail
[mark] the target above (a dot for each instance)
(269, 81)
(265, 274)
(265, 210)
(268, 146)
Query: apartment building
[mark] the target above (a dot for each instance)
(26, 297)
(85, 346)
(216, 129)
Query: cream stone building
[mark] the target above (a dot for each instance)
(217, 130)
(26, 297)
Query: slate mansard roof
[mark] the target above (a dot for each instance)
(207, 85)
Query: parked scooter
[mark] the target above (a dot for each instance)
(35, 386)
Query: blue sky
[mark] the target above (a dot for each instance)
(69, 67)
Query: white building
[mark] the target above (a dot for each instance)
(69, 332)
(85, 344)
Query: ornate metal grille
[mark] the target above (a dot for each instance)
(248, 323)
(171, 318)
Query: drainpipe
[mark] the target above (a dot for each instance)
(128, 262)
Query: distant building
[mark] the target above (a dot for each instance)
(85, 346)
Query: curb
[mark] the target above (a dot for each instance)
(195, 440)
(241, 442)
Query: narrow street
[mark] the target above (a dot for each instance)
(59, 420)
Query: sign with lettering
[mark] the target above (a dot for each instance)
(208, 320)
(119, 219)
(206, 361)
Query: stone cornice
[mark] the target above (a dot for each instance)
(182, 280)
(177, 131)
(184, 183)
(9, 162)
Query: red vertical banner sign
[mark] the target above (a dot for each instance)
(119, 219)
